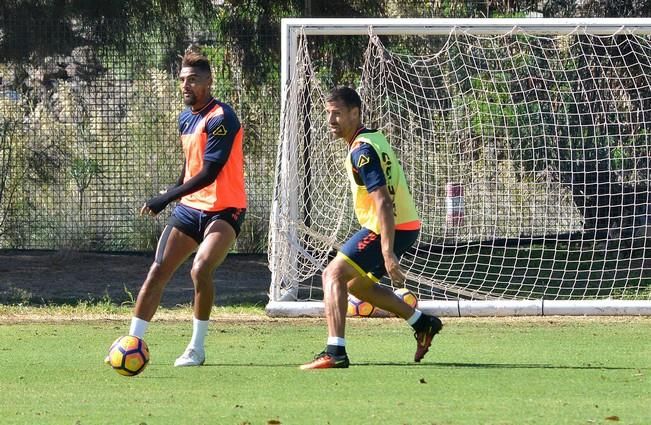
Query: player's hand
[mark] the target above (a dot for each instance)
(154, 206)
(146, 211)
(394, 271)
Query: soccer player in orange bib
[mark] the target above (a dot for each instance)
(390, 225)
(211, 208)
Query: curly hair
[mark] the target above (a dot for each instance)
(195, 59)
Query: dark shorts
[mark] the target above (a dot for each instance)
(363, 251)
(194, 222)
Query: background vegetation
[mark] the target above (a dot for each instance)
(88, 105)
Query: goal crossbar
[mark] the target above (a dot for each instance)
(485, 26)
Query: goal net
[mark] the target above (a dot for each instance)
(526, 147)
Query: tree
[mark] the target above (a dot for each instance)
(84, 22)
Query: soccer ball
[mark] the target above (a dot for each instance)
(357, 307)
(128, 355)
(407, 296)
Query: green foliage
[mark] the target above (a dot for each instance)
(84, 152)
(598, 8)
(87, 74)
(248, 27)
(8, 181)
(85, 22)
(83, 170)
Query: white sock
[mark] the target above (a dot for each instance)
(138, 327)
(335, 340)
(199, 331)
(414, 317)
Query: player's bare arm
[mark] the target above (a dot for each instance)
(384, 207)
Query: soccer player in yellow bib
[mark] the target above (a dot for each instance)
(390, 225)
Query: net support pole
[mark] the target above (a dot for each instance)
(285, 166)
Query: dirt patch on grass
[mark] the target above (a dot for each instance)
(67, 277)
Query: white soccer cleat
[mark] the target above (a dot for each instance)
(191, 357)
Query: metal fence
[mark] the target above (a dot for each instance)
(88, 133)
(86, 137)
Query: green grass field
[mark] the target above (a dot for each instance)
(479, 371)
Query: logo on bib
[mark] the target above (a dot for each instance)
(220, 131)
(362, 161)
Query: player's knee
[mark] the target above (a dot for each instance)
(327, 274)
(354, 287)
(333, 275)
(361, 288)
(157, 276)
(201, 271)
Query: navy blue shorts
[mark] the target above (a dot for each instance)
(363, 251)
(194, 222)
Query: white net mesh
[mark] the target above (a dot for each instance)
(527, 156)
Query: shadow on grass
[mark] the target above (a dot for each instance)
(443, 365)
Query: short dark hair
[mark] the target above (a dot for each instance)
(344, 94)
(195, 59)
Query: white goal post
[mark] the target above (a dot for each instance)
(526, 146)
